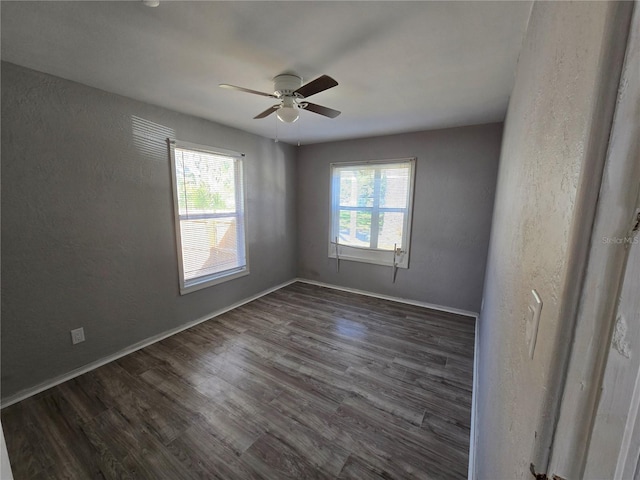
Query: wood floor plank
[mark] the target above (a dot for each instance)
(304, 383)
(276, 459)
(309, 444)
(59, 428)
(314, 415)
(356, 468)
(225, 424)
(376, 441)
(24, 444)
(412, 398)
(206, 457)
(143, 406)
(414, 439)
(448, 432)
(290, 378)
(141, 453)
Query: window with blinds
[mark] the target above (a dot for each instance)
(371, 206)
(210, 217)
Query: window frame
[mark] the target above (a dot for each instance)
(204, 281)
(370, 255)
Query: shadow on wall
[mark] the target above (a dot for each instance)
(151, 138)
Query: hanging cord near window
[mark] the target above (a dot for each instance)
(397, 251)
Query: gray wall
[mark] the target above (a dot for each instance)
(87, 223)
(554, 143)
(454, 192)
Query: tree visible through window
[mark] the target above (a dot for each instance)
(210, 216)
(371, 211)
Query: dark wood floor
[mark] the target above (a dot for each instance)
(304, 383)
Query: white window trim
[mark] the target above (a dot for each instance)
(372, 255)
(221, 277)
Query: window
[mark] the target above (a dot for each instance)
(210, 218)
(371, 211)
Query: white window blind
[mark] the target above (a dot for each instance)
(371, 206)
(210, 219)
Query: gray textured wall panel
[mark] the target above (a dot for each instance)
(453, 203)
(87, 223)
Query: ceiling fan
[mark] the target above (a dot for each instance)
(289, 90)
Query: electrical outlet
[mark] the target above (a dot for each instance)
(77, 335)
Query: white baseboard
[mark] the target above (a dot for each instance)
(474, 407)
(28, 392)
(417, 303)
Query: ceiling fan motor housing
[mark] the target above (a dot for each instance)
(284, 85)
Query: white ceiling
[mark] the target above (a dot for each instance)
(401, 66)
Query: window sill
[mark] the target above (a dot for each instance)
(211, 280)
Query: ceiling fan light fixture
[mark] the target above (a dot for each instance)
(288, 114)
(288, 111)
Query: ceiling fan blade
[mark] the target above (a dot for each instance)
(318, 85)
(326, 111)
(246, 90)
(267, 112)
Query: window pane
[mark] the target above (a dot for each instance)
(356, 187)
(209, 246)
(205, 182)
(394, 187)
(355, 228)
(390, 230)
(370, 210)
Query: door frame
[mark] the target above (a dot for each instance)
(597, 307)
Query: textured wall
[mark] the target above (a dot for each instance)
(455, 183)
(555, 133)
(87, 223)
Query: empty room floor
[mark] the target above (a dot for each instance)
(304, 383)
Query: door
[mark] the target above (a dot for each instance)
(597, 435)
(615, 442)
